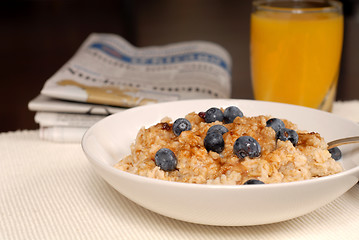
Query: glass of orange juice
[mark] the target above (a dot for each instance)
(295, 51)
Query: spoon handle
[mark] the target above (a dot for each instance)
(343, 141)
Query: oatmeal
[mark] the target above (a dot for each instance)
(237, 150)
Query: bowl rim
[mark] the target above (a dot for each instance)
(113, 170)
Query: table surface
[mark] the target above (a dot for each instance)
(49, 191)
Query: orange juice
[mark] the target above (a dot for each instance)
(295, 58)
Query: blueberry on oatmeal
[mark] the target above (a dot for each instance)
(336, 153)
(286, 134)
(253, 181)
(230, 113)
(180, 125)
(275, 123)
(165, 159)
(213, 114)
(213, 141)
(246, 146)
(217, 128)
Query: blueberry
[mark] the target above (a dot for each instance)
(213, 114)
(286, 134)
(276, 124)
(165, 159)
(230, 113)
(246, 146)
(180, 125)
(253, 181)
(217, 128)
(336, 153)
(214, 142)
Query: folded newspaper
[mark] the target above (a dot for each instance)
(107, 75)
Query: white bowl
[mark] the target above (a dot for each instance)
(108, 141)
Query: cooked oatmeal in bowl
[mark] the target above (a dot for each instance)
(221, 146)
(209, 177)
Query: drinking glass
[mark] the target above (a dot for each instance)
(296, 48)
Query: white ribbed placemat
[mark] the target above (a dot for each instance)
(49, 191)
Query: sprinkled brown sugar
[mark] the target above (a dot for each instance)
(165, 126)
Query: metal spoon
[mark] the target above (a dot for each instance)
(343, 141)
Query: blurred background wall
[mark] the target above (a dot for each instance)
(39, 36)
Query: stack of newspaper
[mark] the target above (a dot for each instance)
(108, 75)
